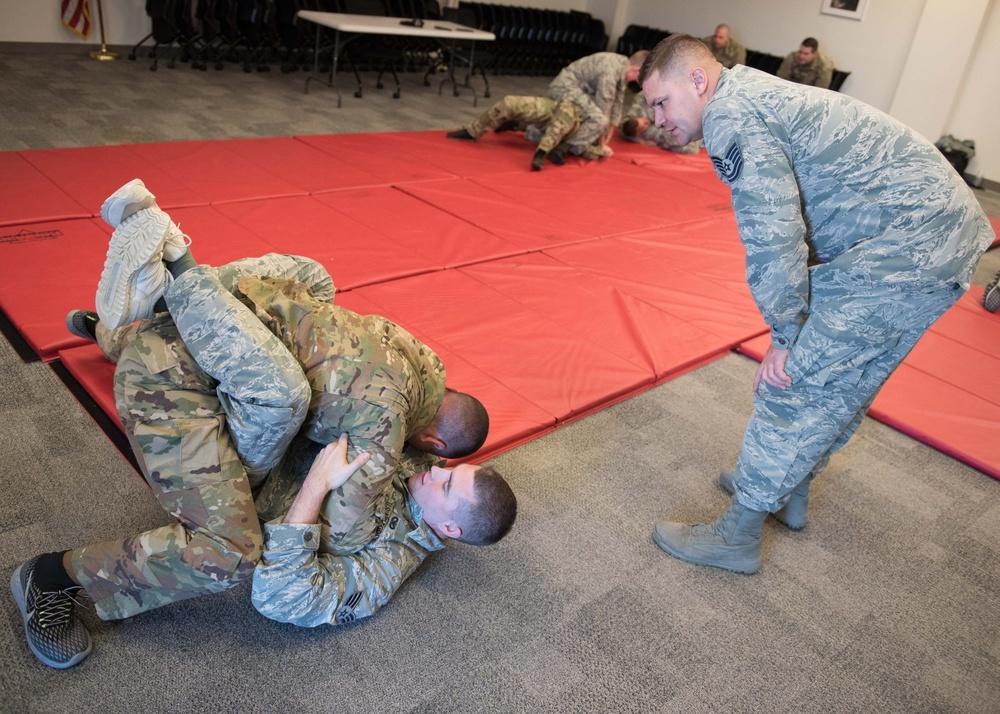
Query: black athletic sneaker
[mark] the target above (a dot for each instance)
(83, 323)
(55, 634)
(991, 298)
(460, 134)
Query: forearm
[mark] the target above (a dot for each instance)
(306, 506)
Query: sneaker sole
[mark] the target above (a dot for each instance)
(132, 246)
(145, 200)
(991, 298)
(17, 590)
(665, 547)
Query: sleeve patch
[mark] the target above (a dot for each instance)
(730, 166)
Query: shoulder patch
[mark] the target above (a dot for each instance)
(730, 166)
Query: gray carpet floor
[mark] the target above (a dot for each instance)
(889, 601)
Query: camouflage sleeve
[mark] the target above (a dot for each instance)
(608, 94)
(372, 428)
(295, 583)
(825, 75)
(740, 54)
(785, 70)
(752, 155)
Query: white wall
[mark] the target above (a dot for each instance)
(125, 22)
(874, 49)
(896, 40)
(977, 109)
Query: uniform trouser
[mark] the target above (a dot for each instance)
(593, 121)
(209, 399)
(557, 120)
(847, 349)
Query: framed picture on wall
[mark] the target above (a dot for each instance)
(853, 9)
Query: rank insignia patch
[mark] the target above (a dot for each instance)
(730, 166)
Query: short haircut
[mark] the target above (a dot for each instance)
(676, 51)
(462, 423)
(637, 58)
(811, 43)
(630, 128)
(491, 515)
(722, 27)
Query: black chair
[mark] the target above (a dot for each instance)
(172, 29)
(839, 77)
(371, 50)
(463, 52)
(763, 61)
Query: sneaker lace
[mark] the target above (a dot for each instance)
(56, 607)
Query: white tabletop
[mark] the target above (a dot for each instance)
(375, 25)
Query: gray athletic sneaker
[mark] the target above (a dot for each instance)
(991, 298)
(55, 635)
(134, 276)
(130, 198)
(83, 323)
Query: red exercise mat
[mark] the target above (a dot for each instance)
(214, 172)
(607, 199)
(417, 226)
(31, 197)
(525, 227)
(46, 270)
(95, 374)
(601, 312)
(93, 173)
(303, 165)
(490, 154)
(353, 253)
(674, 279)
(378, 155)
(548, 365)
(693, 169)
(995, 222)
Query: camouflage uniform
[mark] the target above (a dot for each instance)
(655, 135)
(369, 378)
(818, 73)
(858, 235)
(732, 54)
(557, 120)
(297, 582)
(596, 84)
(210, 400)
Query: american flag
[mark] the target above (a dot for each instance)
(76, 16)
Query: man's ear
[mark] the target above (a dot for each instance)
(699, 77)
(428, 440)
(449, 529)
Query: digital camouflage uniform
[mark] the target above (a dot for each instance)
(369, 378)
(556, 120)
(596, 84)
(297, 582)
(209, 399)
(818, 73)
(731, 54)
(654, 135)
(858, 235)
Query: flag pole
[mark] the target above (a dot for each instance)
(103, 54)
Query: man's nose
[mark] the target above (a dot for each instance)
(658, 117)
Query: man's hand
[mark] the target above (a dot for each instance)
(331, 465)
(772, 369)
(329, 471)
